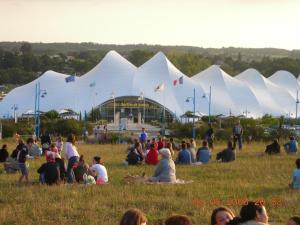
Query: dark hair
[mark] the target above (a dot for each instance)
(296, 219)
(71, 139)
(52, 145)
(97, 159)
(171, 139)
(248, 212)
(298, 163)
(137, 144)
(151, 145)
(29, 140)
(188, 145)
(204, 143)
(133, 217)
(81, 159)
(183, 145)
(213, 219)
(292, 138)
(178, 220)
(229, 144)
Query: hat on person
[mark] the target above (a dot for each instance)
(165, 152)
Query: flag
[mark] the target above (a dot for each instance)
(180, 80)
(70, 78)
(174, 82)
(93, 84)
(160, 87)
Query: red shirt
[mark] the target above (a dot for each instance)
(152, 157)
(161, 144)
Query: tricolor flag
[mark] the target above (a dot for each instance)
(70, 78)
(160, 87)
(180, 80)
(93, 84)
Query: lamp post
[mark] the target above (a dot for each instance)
(113, 97)
(209, 102)
(144, 109)
(246, 113)
(194, 109)
(39, 93)
(15, 108)
(296, 117)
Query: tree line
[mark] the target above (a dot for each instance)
(20, 66)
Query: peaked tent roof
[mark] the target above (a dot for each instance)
(286, 80)
(228, 94)
(159, 70)
(262, 87)
(24, 96)
(113, 74)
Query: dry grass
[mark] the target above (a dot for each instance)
(250, 177)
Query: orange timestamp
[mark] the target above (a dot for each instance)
(273, 201)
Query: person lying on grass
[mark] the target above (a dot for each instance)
(221, 216)
(294, 220)
(253, 213)
(165, 170)
(133, 217)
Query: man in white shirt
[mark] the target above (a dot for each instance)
(99, 171)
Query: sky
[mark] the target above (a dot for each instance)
(210, 23)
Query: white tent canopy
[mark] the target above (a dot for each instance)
(249, 93)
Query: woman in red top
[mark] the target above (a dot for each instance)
(152, 156)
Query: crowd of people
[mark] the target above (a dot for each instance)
(54, 170)
(251, 213)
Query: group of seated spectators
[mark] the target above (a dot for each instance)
(290, 147)
(251, 213)
(54, 170)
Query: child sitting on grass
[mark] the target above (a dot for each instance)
(296, 176)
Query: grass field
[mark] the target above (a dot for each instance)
(250, 177)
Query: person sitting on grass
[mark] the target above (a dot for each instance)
(152, 156)
(178, 220)
(165, 170)
(100, 172)
(12, 165)
(184, 156)
(228, 154)
(3, 153)
(273, 148)
(296, 176)
(192, 151)
(133, 217)
(203, 153)
(291, 146)
(294, 220)
(33, 148)
(134, 156)
(49, 172)
(221, 216)
(253, 213)
(80, 168)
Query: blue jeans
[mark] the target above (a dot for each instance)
(237, 138)
(70, 172)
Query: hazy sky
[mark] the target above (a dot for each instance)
(210, 23)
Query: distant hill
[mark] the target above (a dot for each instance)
(248, 54)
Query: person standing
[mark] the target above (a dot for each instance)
(209, 136)
(143, 138)
(73, 157)
(21, 158)
(237, 132)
